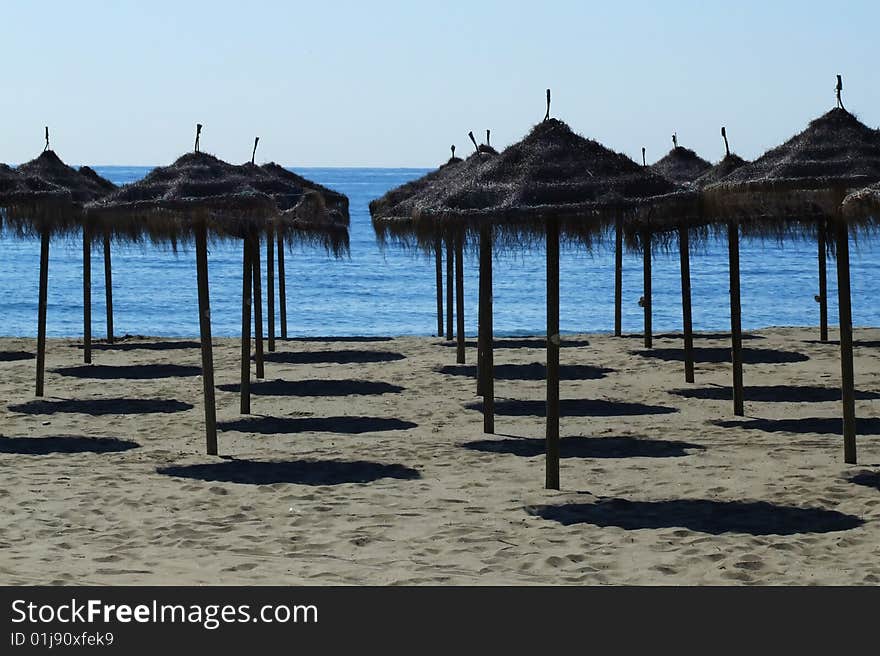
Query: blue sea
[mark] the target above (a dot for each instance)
(392, 292)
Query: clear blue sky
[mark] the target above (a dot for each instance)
(395, 83)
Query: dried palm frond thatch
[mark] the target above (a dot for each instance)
(681, 165)
(308, 212)
(31, 205)
(792, 186)
(863, 206)
(553, 173)
(167, 204)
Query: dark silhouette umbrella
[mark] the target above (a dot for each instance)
(30, 205)
(393, 219)
(304, 215)
(196, 197)
(648, 230)
(552, 184)
(797, 189)
(83, 188)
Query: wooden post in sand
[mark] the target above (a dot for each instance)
(438, 265)
(552, 431)
(618, 277)
(270, 287)
(108, 288)
(687, 321)
(487, 374)
(646, 297)
(450, 260)
(847, 376)
(459, 298)
(282, 291)
(735, 319)
(823, 284)
(87, 295)
(205, 330)
(258, 306)
(41, 311)
(246, 284)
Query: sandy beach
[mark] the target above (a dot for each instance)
(365, 463)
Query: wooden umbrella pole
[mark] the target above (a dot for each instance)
(735, 319)
(618, 278)
(823, 284)
(450, 260)
(246, 284)
(108, 288)
(270, 287)
(646, 298)
(282, 291)
(481, 309)
(258, 306)
(459, 299)
(205, 330)
(487, 383)
(552, 431)
(87, 295)
(438, 263)
(687, 320)
(41, 311)
(847, 375)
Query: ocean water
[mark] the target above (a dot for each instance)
(391, 291)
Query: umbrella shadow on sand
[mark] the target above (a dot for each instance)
(772, 393)
(142, 346)
(826, 425)
(288, 425)
(721, 355)
(115, 406)
(15, 356)
(299, 472)
(573, 408)
(317, 387)
(129, 371)
(42, 446)
(352, 356)
(532, 371)
(588, 447)
(361, 338)
(702, 515)
(524, 343)
(868, 479)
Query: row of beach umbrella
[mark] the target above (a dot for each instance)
(196, 199)
(556, 185)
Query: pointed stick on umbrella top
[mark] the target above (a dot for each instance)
(198, 134)
(254, 153)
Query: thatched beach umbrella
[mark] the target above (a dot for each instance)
(681, 166)
(797, 188)
(197, 196)
(396, 205)
(552, 184)
(304, 216)
(393, 220)
(31, 206)
(83, 189)
(647, 229)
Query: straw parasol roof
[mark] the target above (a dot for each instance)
(681, 165)
(805, 179)
(552, 173)
(393, 213)
(167, 204)
(308, 211)
(83, 188)
(97, 180)
(30, 205)
(863, 205)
